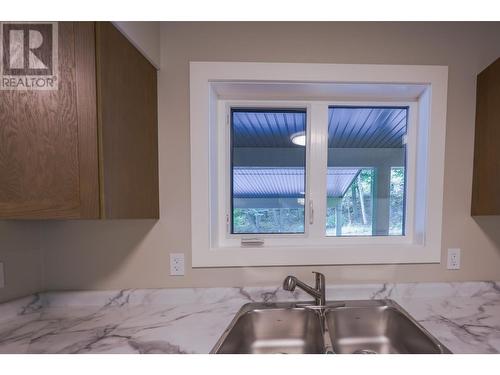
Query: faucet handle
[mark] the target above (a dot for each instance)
(320, 279)
(321, 288)
(318, 274)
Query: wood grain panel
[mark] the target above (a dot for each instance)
(39, 145)
(87, 119)
(128, 127)
(486, 176)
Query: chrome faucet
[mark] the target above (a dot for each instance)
(318, 292)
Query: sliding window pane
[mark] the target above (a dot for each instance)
(268, 162)
(366, 171)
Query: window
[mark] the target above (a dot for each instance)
(268, 163)
(365, 144)
(342, 168)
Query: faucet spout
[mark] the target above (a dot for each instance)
(290, 283)
(318, 292)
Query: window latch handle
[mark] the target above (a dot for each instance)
(252, 242)
(311, 211)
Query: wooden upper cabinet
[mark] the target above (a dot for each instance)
(89, 149)
(128, 127)
(486, 178)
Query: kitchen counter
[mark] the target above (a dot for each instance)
(463, 316)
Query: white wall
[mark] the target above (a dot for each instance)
(135, 254)
(22, 258)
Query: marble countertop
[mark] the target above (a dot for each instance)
(463, 316)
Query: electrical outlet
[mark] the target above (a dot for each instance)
(453, 259)
(177, 264)
(2, 277)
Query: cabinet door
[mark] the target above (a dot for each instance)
(128, 127)
(48, 139)
(486, 179)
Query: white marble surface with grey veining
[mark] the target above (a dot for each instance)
(463, 316)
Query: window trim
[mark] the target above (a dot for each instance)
(425, 246)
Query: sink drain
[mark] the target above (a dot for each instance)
(364, 351)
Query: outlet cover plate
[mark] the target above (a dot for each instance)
(453, 259)
(177, 264)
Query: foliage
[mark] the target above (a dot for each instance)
(397, 197)
(359, 198)
(268, 220)
(356, 206)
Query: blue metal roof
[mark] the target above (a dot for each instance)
(348, 127)
(257, 182)
(375, 127)
(339, 179)
(267, 129)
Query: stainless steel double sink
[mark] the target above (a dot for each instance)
(358, 327)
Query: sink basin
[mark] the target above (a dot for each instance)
(357, 327)
(261, 330)
(369, 328)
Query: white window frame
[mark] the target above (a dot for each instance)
(212, 246)
(316, 172)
